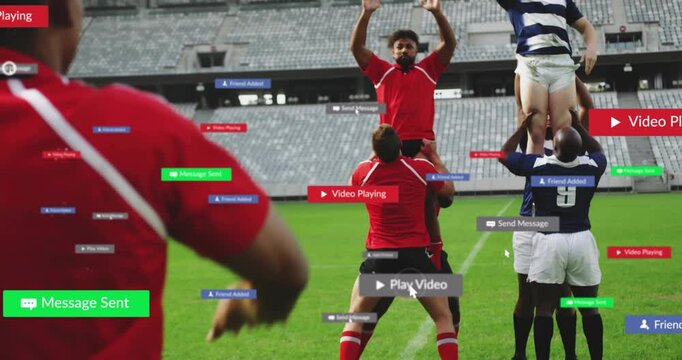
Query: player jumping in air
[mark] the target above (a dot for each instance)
(570, 255)
(407, 89)
(399, 227)
(545, 66)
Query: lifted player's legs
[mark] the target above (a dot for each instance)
(535, 103)
(561, 102)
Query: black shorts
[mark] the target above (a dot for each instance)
(411, 148)
(410, 260)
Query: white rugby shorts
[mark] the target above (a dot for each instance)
(554, 72)
(570, 257)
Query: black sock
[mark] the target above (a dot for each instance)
(566, 326)
(522, 328)
(594, 333)
(543, 331)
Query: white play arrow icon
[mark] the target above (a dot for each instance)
(617, 252)
(614, 122)
(380, 284)
(323, 194)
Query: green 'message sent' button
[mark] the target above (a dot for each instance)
(586, 302)
(75, 303)
(196, 174)
(636, 171)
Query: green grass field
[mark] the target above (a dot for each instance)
(333, 235)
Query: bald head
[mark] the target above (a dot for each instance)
(567, 144)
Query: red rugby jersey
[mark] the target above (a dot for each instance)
(408, 96)
(397, 225)
(116, 173)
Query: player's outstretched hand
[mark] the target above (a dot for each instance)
(370, 5)
(430, 5)
(589, 58)
(232, 315)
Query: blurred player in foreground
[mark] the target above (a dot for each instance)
(522, 245)
(570, 255)
(118, 173)
(399, 226)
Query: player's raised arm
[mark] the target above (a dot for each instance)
(512, 143)
(448, 43)
(590, 144)
(589, 57)
(357, 41)
(446, 194)
(274, 265)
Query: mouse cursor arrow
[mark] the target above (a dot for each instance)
(413, 292)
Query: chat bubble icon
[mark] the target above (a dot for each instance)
(336, 108)
(490, 223)
(331, 317)
(29, 303)
(620, 171)
(173, 174)
(569, 302)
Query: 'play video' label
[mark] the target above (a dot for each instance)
(352, 194)
(410, 285)
(522, 223)
(95, 248)
(639, 252)
(636, 122)
(556, 181)
(223, 128)
(350, 317)
(356, 108)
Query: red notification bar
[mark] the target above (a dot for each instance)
(486, 154)
(639, 252)
(636, 122)
(61, 155)
(223, 128)
(28, 16)
(352, 194)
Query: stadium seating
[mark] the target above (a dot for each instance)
(102, 51)
(280, 150)
(667, 150)
(309, 37)
(665, 12)
(187, 110)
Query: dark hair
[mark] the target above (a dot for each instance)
(403, 34)
(20, 39)
(386, 143)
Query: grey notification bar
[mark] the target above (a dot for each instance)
(519, 223)
(350, 317)
(356, 108)
(410, 285)
(95, 248)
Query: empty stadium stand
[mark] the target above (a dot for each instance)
(665, 12)
(141, 44)
(667, 149)
(298, 145)
(187, 109)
